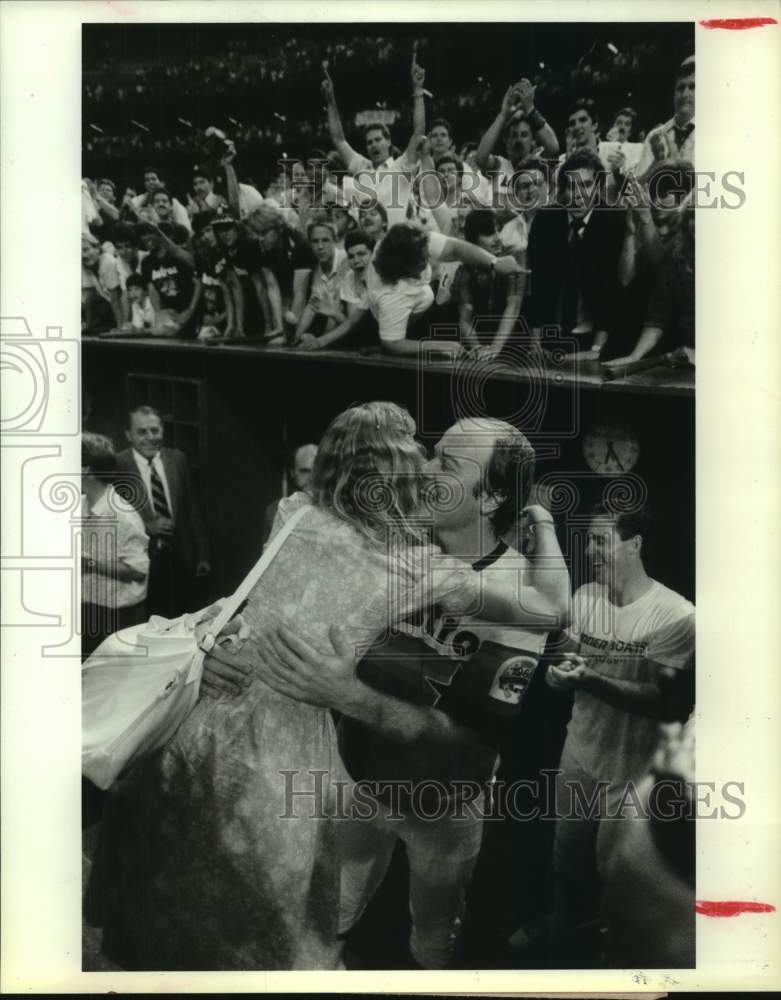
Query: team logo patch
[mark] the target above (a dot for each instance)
(512, 679)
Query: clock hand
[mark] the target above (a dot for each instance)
(612, 451)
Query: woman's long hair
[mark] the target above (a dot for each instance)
(403, 253)
(368, 472)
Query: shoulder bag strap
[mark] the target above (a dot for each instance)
(243, 591)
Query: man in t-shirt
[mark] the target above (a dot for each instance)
(142, 206)
(614, 669)
(163, 206)
(378, 176)
(205, 197)
(426, 709)
(357, 326)
(170, 281)
(525, 133)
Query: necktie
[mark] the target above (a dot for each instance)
(682, 133)
(159, 501)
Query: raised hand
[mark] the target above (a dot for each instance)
(327, 86)
(511, 101)
(525, 93)
(230, 153)
(423, 148)
(617, 162)
(417, 72)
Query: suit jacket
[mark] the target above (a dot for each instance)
(597, 265)
(189, 540)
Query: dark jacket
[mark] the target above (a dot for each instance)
(189, 540)
(547, 256)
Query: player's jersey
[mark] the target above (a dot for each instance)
(512, 650)
(476, 671)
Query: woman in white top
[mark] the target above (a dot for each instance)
(115, 563)
(399, 282)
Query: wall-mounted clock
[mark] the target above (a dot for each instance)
(610, 447)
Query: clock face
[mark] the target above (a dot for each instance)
(610, 447)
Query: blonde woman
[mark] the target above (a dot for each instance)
(222, 851)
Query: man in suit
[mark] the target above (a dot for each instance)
(573, 254)
(157, 482)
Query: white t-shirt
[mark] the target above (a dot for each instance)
(353, 292)
(476, 188)
(105, 280)
(142, 316)
(608, 742)
(114, 527)
(392, 305)
(514, 236)
(503, 173)
(390, 184)
(249, 199)
(89, 213)
(325, 288)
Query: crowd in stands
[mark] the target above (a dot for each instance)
(309, 253)
(591, 232)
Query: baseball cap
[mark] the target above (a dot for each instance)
(224, 221)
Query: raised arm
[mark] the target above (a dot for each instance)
(548, 573)
(231, 181)
(342, 146)
(418, 95)
(541, 130)
(179, 252)
(484, 156)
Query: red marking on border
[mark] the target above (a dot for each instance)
(731, 908)
(738, 23)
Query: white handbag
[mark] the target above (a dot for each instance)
(139, 685)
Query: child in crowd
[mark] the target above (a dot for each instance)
(142, 314)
